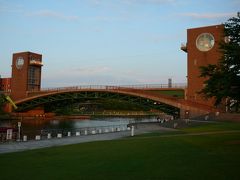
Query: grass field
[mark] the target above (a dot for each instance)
(151, 156)
(174, 93)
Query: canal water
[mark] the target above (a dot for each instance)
(31, 128)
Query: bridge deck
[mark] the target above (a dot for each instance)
(139, 92)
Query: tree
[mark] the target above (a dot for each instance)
(223, 79)
(2, 102)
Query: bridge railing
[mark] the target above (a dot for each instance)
(153, 86)
(54, 133)
(104, 87)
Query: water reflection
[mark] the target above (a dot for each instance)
(37, 126)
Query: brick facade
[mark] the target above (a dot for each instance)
(5, 85)
(26, 74)
(197, 58)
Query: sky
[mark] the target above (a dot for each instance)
(106, 42)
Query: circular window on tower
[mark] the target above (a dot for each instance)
(205, 42)
(19, 62)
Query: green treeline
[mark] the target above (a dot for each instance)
(97, 105)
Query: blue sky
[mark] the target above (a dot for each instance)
(109, 42)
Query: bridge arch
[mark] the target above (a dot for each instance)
(163, 103)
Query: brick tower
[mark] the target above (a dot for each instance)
(202, 49)
(26, 74)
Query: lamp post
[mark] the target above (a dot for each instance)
(19, 131)
(132, 131)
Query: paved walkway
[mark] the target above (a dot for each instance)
(33, 144)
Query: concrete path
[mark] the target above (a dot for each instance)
(34, 144)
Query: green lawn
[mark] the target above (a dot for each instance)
(215, 156)
(223, 126)
(174, 93)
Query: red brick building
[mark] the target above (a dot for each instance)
(202, 49)
(5, 84)
(26, 74)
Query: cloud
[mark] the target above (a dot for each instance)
(94, 75)
(83, 81)
(208, 15)
(156, 38)
(11, 8)
(132, 2)
(79, 72)
(115, 3)
(95, 2)
(236, 2)
(54, 14)
(60, 16)
(103, 75)
(159, 2)
(91, 70)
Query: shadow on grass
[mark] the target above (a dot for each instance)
(210, 157)
(221, 126)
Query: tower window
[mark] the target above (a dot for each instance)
(33, 78)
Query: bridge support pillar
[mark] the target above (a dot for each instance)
(7, 108)
(184, 114)
(188, 112)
